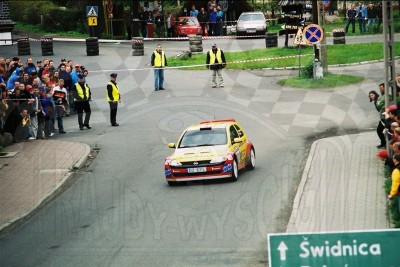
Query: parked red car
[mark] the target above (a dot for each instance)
(185, 26)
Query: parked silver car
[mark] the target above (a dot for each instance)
(251, 23)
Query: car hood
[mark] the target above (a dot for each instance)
(199, 153)
(250, 23)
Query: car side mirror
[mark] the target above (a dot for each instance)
(171, 145)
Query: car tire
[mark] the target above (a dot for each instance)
(235, 171)
(252, 160)
(170, 183)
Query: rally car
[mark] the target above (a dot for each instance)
(210, 150)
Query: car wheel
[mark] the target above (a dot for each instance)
(235, 171)
(170, 183)
(252, 160)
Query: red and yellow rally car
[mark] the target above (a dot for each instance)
(210, 150)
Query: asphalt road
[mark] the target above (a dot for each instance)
(121, 212)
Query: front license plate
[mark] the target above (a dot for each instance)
(194, 170)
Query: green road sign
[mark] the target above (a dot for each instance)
(379, 248)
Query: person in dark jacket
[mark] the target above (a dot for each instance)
(159, 21)
(66, 76)
(216, 62)
(203, 19)
(351, 18)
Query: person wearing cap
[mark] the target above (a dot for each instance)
(82, 96)
(158, 61)
(216, 62)
(113, 98)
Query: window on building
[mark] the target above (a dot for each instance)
(1, 8)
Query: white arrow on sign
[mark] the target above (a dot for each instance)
(282, 250)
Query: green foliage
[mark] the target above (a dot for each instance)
(307, 72)
(328, 81)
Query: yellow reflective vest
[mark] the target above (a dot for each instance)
(159, 60)
(215, 56)
(115, 92)
(79, 90)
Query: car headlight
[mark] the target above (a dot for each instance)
(174, 163)
(218, 159)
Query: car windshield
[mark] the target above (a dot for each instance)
(209, 137)
(251, 17)
(187, 21)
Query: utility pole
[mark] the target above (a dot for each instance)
(321, 22)
(388, 52)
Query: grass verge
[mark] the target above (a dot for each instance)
(38, 30)
(330, 80)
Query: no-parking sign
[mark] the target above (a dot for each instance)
(313, 34)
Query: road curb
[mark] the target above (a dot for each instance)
(55, 192)
(290, 228)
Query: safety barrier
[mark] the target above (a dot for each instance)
(137, 46)
(195, 43)
(47, 46)
(339, 36)
(24, 47)
(92, 46)
(271, 39)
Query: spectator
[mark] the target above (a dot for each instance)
(3, 68)
(14, 77)
(60, 100)
(361, 16)
(159, 21)
(29, 66)
(216, 62)
(220, 21)
(351, 18)
(211, 4)
(22, 131)
(49, 110)
(24, 79)
(40, 71)
(82, 96)
(68, 85)
(194, 12)
(212, 22)
(203, 19)
(36, 108)
(3, 107)
(379, 103)
(371, 15)
(143, 22)
(394, 189)
(170, 25)
(75, 72)
(46, 70)
(38, 65)
(378, 12)
(51, 66)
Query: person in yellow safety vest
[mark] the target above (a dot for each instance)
(158, 61)
(216, 62)
(82, 96)
(113, 98)
(395, 187)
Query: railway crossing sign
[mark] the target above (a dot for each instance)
(313, 34)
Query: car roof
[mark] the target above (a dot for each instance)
(256, 12)
(220, 124)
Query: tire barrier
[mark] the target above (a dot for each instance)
(271, 39)
(47, 46)
(137, 46)
(92, 46)
(195, 43)
(339, 37)
(24, 47)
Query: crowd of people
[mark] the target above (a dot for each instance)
(389, 129)
(369, 17)
(210, 17)
(36, 96)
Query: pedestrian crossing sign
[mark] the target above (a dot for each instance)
(92, 11)
(299, 38)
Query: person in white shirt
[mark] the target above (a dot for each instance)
(60, 96)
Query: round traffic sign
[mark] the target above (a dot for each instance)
(327, 3)
(313, 34)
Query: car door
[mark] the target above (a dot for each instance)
(243, 143)
(236, 147)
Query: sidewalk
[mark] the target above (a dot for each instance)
(341, 188)
(34, 176)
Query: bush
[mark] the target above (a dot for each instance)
(307, 71)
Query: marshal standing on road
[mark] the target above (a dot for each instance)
(113, 98)
(216, 62)
(158, 61)
(82, 96)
